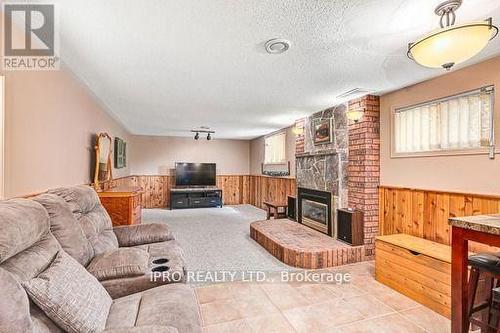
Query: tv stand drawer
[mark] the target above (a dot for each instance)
(180, 202)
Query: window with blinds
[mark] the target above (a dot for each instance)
(275, 146)
(458, 123)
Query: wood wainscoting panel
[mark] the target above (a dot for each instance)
(264, 188)
(156, 190)
(236, 189)
(425, 213)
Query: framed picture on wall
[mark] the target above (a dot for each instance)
(322, 131)
(120, 153)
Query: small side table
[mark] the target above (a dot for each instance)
(278, 209)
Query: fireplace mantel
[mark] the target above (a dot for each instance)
(317, 153)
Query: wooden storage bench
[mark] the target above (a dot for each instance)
(417, 268)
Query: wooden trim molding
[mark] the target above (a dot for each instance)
(482, 195)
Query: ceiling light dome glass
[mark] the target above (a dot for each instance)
(452, 44)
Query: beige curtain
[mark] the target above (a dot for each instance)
(275, 146)
(457, 123)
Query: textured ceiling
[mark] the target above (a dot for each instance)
(163, 67)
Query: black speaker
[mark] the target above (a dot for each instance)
(291, 211)
(350, 226)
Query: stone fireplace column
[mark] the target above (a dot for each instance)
(364, 167)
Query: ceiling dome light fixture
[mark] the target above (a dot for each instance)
(451, 44)
(277, 46)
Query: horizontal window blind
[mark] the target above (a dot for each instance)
(459, 122)
(275, 146)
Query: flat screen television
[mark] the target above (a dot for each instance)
(195, 174)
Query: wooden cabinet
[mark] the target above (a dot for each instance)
(123, 204)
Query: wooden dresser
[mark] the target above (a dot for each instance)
(123, 204)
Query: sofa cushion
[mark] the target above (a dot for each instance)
(70, 296)
(66, 228)
(142, 234)
(14, 305)
(23, 222)
(34, 260)
(119, 263)
(176, 270)
(174, 305)
(26, 245)
(94, 220)
(42, 323)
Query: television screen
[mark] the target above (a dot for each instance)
(195, 174)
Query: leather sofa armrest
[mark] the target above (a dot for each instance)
(142, 234)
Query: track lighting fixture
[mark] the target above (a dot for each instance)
(203, 130)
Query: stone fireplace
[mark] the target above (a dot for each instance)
(322, 172)
(348, 167)
(339, 173)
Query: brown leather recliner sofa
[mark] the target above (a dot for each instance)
(34, 239)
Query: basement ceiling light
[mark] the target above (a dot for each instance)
(452, 44)
(277, 46)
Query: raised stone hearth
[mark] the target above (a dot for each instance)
(300, 246)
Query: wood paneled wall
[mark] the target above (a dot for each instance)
(236, 189)
(264, 188)
(425, 213)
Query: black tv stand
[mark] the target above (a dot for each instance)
(195, 197)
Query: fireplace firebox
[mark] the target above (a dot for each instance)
(315, 210)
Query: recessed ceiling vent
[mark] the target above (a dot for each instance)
(277, 46)
(354, 93)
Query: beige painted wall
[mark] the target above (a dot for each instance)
(471, 173)
(257, 153)
(155, 155)
(50, 118)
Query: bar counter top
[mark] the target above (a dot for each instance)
(489, 224)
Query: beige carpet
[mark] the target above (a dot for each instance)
(217, 239)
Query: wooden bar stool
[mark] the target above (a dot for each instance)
(487, 265)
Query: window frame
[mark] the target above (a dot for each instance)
(490, 149)
(280, 132)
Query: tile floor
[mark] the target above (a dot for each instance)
(364, 305)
